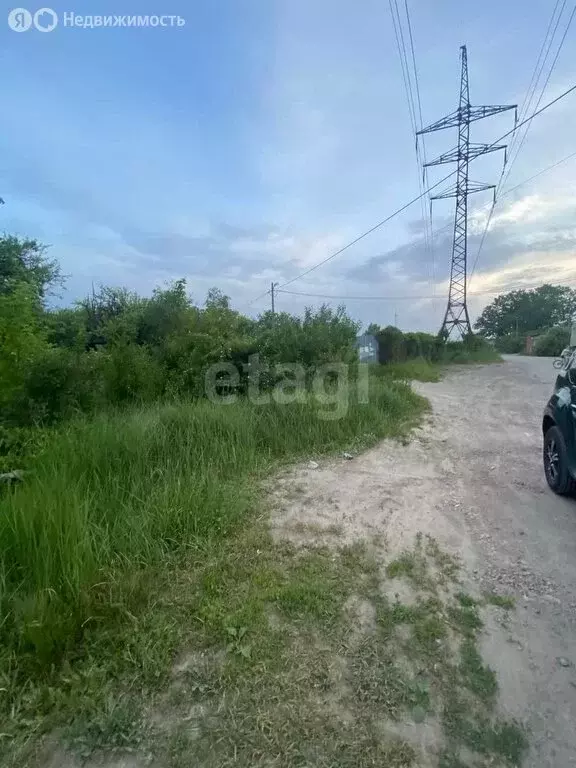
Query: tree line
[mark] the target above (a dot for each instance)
(545, 312)
(116, 347)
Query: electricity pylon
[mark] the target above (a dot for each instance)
(456, 317)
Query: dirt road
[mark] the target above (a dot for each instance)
(473, 478)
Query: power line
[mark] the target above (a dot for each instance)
(535, 176)
(428, 229)
(403, 60)
(352, 298)
(482, 239)
(411, 38)
(395, 298)
(448, 226)
(442, 229)
(369, 231)
(506, 175)
(536, 72)
(517, 186)
(505, 194)
(411, 86)
(258, 298)
(402, 208)
(525, 133)
(456, 318)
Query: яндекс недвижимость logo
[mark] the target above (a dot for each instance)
(21, 20)
(46, 19)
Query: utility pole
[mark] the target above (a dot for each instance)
(272, 289)
(456, 317)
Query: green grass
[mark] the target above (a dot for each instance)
(148, 612)
(500, 601)
(456, 352)
(114, 504)
(420, 369)
(410, 370)
(443, 647)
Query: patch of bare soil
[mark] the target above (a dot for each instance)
(472, 478)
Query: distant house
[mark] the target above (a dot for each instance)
(367, 346)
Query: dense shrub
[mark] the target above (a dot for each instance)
(116, 347)
(552, 342)
(473, 349)
(510, 344)
(122, 490)
(397, 347)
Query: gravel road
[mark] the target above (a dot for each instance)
(522, 539)
(472, 477)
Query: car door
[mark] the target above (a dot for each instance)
(571, 436)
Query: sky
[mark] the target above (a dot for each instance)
(263, 135)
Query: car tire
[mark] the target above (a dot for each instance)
(556, 463)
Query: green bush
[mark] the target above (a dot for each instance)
(121, 491)
(55, 385)
(130, 373)
(19, 446)
(116, 347)
(510, 344)
(398, 347)
(472, 349)
(551, 343)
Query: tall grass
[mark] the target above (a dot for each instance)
(418, 369)
(113, 495)
(475, 351)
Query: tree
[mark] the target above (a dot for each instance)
(391, 345)
(373, 329)
(523, 311)
(25, 261)
(216, 299)
(551, 343)
(108, 313)
(21, 338)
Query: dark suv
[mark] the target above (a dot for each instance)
(559, 429)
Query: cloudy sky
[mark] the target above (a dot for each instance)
(263, 135)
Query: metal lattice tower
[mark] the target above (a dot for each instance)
(456, 317)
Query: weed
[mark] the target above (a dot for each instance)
(405, 565)
(189, 572)
(467, 618)
(379, 682)
(506, 740)
(501, 601)
(466, 601)
(477, 677)
(447, 564)
(411, 370)
(119, 493)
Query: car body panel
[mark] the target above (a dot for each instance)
(561, 411)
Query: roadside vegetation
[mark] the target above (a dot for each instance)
(544, 313)
(421, 355)
(145, 608)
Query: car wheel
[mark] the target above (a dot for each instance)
(556, 464)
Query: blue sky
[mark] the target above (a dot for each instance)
(263, 135)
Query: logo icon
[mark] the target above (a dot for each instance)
(19, 20)
(45, 20)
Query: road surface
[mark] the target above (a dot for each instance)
(472, 477)
(522, 538)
